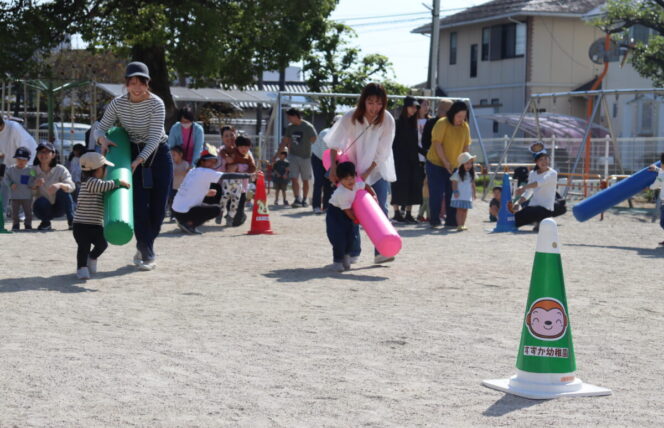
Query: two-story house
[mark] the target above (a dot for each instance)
(500, 52)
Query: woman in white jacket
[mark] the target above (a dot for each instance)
(365, 134)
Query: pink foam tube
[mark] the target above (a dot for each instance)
(327, 160)
(381, 232)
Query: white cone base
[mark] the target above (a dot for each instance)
(528, 387)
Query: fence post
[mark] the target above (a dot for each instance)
(506, 141)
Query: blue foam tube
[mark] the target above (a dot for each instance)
(607, 198)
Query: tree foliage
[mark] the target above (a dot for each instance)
(621, 15)
(335, 65)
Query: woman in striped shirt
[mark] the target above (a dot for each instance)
(89, 217)
(142, 115)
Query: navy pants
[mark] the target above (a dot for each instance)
(150, 204)
(322, 186)
(382, 188)
(45, 211)
(344, 235)
(440, 187)
(530, 215)
(661, 214)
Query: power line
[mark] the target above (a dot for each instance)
(357, 18)
(371, 24)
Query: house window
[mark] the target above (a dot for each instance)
(507, 41)
(486, 37)
(495, 127)
(639, 33)
(484, 102)
(495, 101)
(453, 48)
(646, 119)
(473, 60)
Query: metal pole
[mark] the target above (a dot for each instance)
(25, 105)
(504, 155)
(435, 40)
(278, 121)
(583, 141)
(614, 137)
(553, 151)
(537, 122)
(607, 141)
(473, 120)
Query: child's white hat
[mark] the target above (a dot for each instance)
(465, 157)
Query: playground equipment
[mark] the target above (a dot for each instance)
(545, 360)
(613, 195)
(119, 203)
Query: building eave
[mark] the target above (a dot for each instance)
(425, 29)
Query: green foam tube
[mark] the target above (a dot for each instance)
(119, 203)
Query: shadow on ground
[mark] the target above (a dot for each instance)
(67, 283)
(509, 403)
(306, 274)
(652, 253)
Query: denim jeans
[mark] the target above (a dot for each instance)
(45, 211)
(343, 234)
(661, 214)
(440, 187)
(150, 204)
(322, 186)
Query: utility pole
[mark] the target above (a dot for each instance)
(435, 38)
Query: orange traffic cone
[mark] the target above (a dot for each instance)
(260, 220)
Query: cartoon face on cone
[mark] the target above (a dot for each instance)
(547, 319)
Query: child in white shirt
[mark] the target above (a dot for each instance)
(342, 225)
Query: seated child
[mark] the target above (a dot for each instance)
(280, 174)
(342, 225)
(242, 162)
(89, 218)
(20, 179)
(494, 204)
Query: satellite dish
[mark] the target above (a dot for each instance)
(597, 53)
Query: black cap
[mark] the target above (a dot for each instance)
(206, 155)
(410, 101)
(135, 69)
(22, 153)
(47, 146)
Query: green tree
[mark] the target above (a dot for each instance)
(335, 65)
(621, 15)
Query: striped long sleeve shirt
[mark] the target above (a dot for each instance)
(90, 208)
(143, 121)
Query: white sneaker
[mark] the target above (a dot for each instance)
(92, 265)
(83, 273)
(337, 267)
(318, 211)
(346, 262)
(354, 259)
(382, 259)
(138, 258)
(146, 266)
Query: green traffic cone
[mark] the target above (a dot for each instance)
(2, 217)
(545, 361)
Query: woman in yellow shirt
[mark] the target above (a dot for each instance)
(449, 138)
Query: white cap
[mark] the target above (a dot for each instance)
(547, 239)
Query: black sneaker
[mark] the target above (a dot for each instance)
(296, 203)
(409, 219)
(44, 226)
(28, 227)
(398, 217)
(304, 204)
(16, 227)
